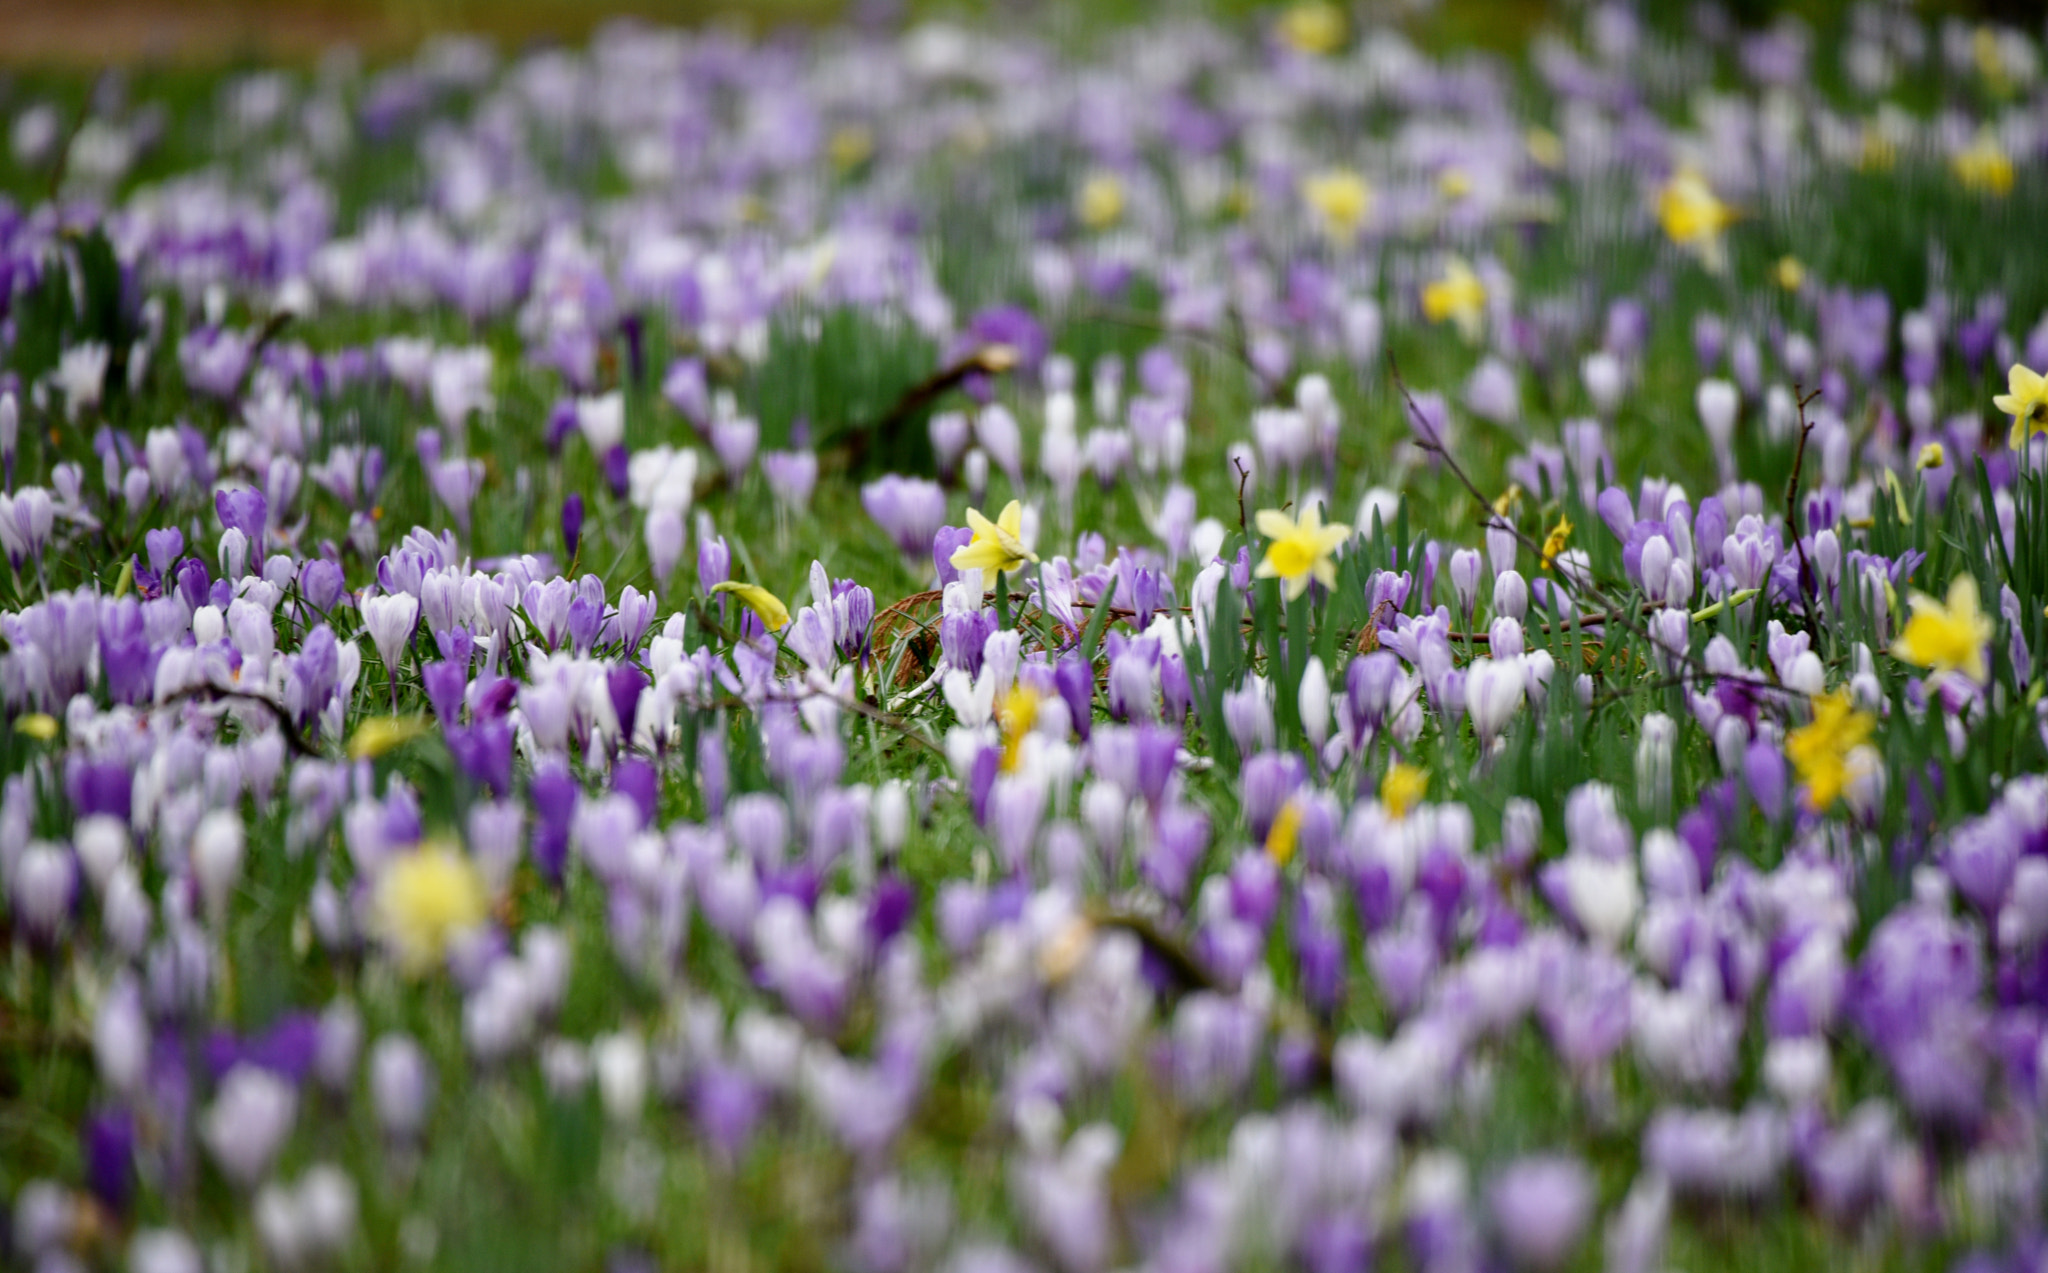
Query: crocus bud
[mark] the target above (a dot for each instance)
(1315, 704)
(1656, 567)
(1717, 402)
(620, 1061)
(248, 1122)
(665, 536)
(1678, 583)
(101, 842)
(234, 553)
(1603, 376)
(163, 1251)
(1510, 595)
(44, 880)
(217, 847)
(1541, 1207)
(1493, 692)
(401, 1086)
(1466, 564)
(572, 523)
(892, 815)
(120, 1038)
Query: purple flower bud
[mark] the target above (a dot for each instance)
(572, 523)
(445, 683)
(164, 547)
(401, 1086)
(1541, 1207)
(617, 471)
(946, 541)
(244, 510)
(639, 782)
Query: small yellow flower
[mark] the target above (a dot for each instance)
(997, 545)
(1788, 273)
(1063, 953)
(40, 726)
(1458, 296)
(1950, 637)
(1454, 183)
(1693, 216)
(1016, 716)
(1285, 833)
(1984, 167)
(1880, 151)
(1545, 148)
(774, 615)
(380, 734)
(1100, 202)
(1314, 27)
(1300, 550)
(1554, 543)
(1508, 499)
(1341, 200)
(850, 147)
(1932, 456)
(1403, 788)
(1819, 751)
(1985, 49)
(425, 899)
(2026, 401)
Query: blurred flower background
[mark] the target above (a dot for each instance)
(1047, 636)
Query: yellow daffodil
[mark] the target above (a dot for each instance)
(1300, 550)
(425, 899)
(1458, 296)
(1100, 202)
(1341, 200)
(1947, 637)
(1403, 788)
(1016, 716)
(997, 545)
(1314, 27)
(1694, 217)
(1554, 543)
(774, 615)
(1788, 273)
(1285, 833)
(1819, 751)
(380, 734)
(1931, 457)
(1983, 166)
(2026, 401)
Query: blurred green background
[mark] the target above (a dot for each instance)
(96, 32)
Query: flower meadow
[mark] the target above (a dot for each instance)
(1258, 643)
